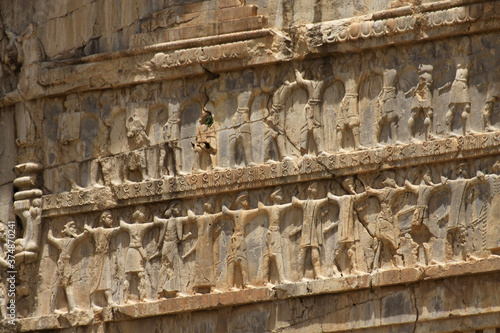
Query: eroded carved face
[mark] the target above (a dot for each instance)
(244, 203)
(496, 166)
(209, 206)
(176, 209)
(70, 230)
(277, 198)
(106, 219)
(312, 190)
(390, 181)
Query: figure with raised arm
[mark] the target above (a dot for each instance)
(135, 253)
(312, 129)
(172, 233)
(237, 256)
(385, 230)
(102, 237)
(345, 248)
(66, 246)
(311, 234)
(273, 251)
(207, 224)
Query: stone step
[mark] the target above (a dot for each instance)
(198, 13)
(196, 31)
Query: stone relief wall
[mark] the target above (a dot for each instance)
(244, 160)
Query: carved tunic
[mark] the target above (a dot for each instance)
(423, 96)
(493, 230)
(460, 88)
(388, 98)
(102, 238)
(203, 270)
(310, 237)
(171, 260)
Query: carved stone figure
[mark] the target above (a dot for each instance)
(493, 230)
(205, 146)
(345, 248)
(135, 252)
(348, 119)
(172, 127)
(274, 132)
(311, 132)
(311, 233)
(66, 246)
(385, 230)
(237, 256)
(274, 251)
(387, 106)
(171, 262)
(240, 139)
(135, 167)
(459, 97)
(492, 97)
(419, 225)
(135, 132)
(204, 280)
(102, 238)
(421, 103)
(458, 220)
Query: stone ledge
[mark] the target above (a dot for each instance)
(336, 285)
(393, 27)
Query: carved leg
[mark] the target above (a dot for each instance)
(316, 263)
(449, 117)
(339, 137)
(279, 265)
(411, 124)
(232, 149)
(244, 268)
(141, 286)
(109, 297)
(245, 141)
(357, 138)
(196, 163)
(378, 130)
(71, 298)
(395, 129)
(266, 277)
(302, 262)
(126, 286)
(488, 108)
(465, 118)
(318, 140)
(376, 259)
(304, 135)
(178, 158)
(230, 273)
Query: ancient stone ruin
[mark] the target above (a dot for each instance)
(250, 166)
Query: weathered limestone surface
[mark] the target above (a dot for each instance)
(250, 166)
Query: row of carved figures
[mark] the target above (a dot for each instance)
(402, 221)
(159, 113)
(347, 118)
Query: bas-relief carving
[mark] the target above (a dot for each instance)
(382, 221)
(66, 245)
(427, 82)
(321, 229)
